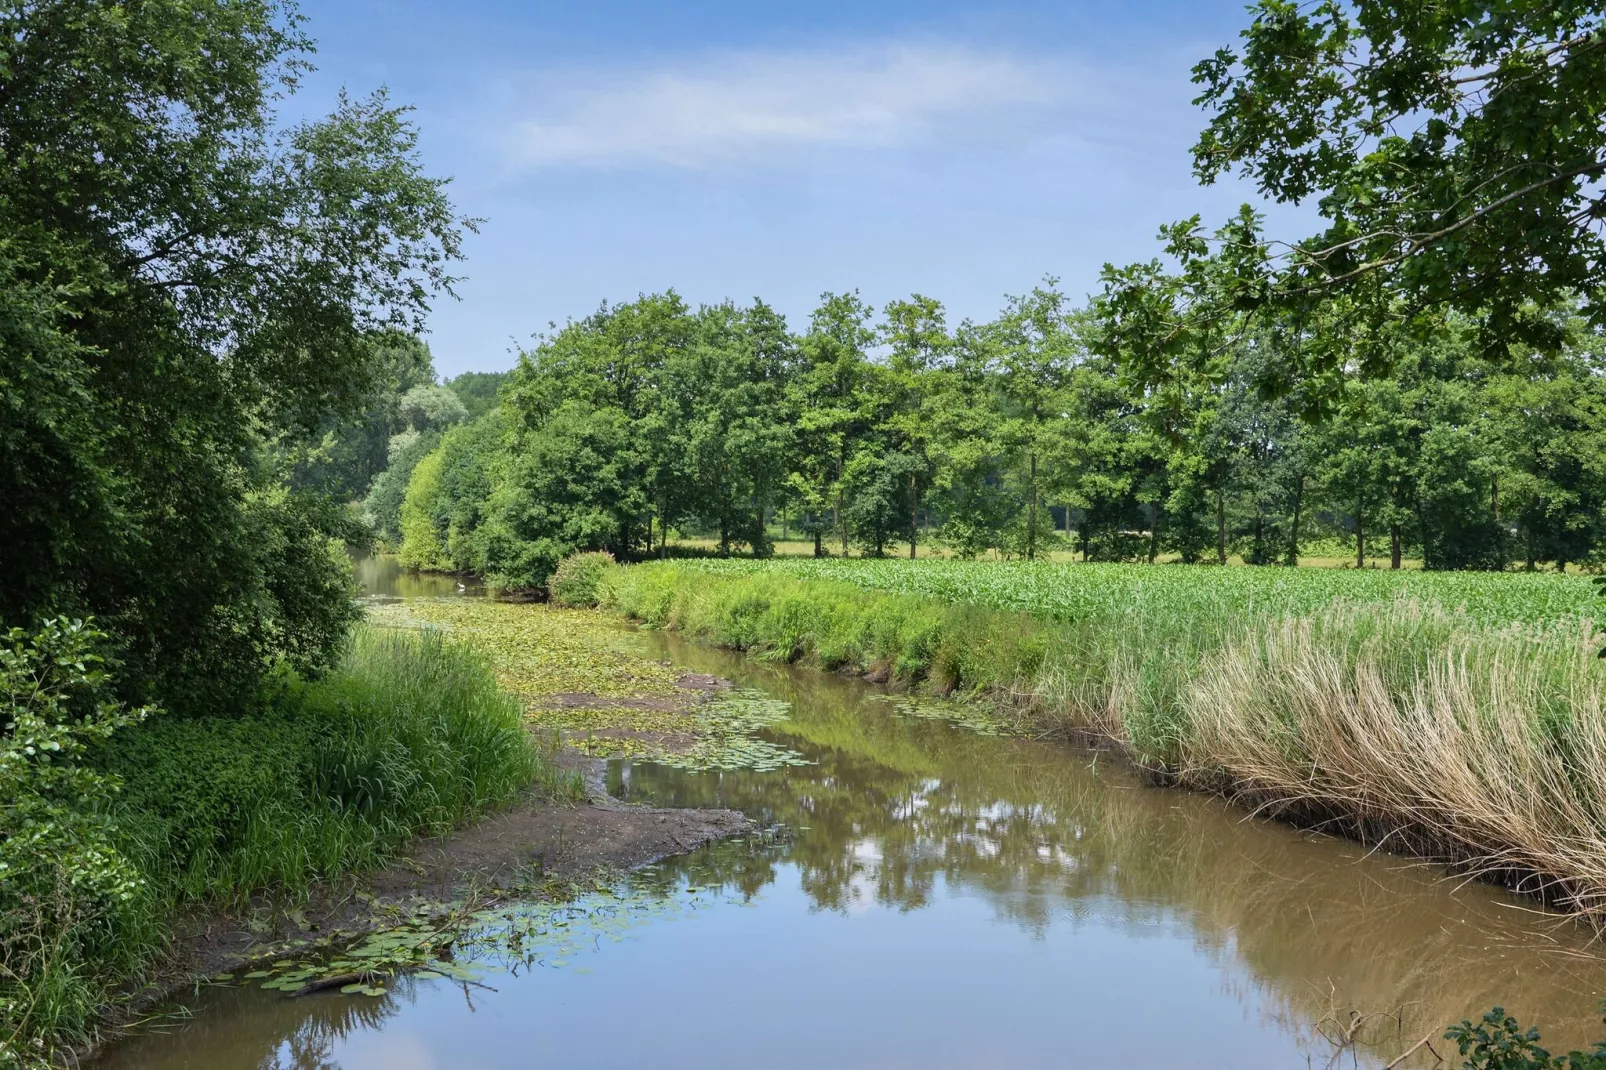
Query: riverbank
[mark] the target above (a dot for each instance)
(537, 848)
(1451, 732)
(410, 776)
(578, 687)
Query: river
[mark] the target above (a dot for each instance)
(936, 898)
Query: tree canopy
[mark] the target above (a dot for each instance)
(1455, 153)
(183, 281)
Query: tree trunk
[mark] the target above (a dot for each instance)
(1394, 546)
(785, 517)
(914, 516)
(819, 546)
(1360, 537)
(1494, 498)
(1154, 535)
(1221, 526)
(841, 523)
(1031, 518)
(1293, 536)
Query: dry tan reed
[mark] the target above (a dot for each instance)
(1486, 747)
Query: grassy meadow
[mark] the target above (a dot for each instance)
(1453, 715)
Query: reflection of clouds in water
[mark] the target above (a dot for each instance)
(391, 1050)
(1047, 836)
(859, 894)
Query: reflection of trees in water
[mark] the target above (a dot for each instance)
(248, 1027)
(1047, 838)
(311, 1042)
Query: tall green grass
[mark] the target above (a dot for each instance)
(1453, 730)
(410, 736)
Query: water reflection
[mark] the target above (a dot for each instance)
(940, 899)
(894, 809)
(239, 1028)
(383, 579)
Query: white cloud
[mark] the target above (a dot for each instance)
(756, 105)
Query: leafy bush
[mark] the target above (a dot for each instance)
(65, 888)
(1497, 1042)
(577, 581)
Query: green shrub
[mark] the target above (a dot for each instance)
(1497, 1042)
(577, 581)
(66, 891)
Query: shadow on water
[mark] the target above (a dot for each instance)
(943, 899)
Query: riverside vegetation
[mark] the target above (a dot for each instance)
(117, 832)
(199, 387)
(189, 718)
(1437, 714)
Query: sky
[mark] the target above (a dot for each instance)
(779, 150)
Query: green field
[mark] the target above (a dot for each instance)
(1079, 590)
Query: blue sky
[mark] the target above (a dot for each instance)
(777, 150)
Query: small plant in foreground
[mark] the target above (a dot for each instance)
(1497, 1042)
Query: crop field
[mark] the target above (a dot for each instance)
(1070, 591)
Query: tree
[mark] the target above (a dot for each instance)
(1550, 431)
(834, 411)
(916, 336)
(185, 276)
(343, 455)
(970, 488)
(1032, 346)
(478, 391)
(1456, 150)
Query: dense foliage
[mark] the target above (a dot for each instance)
(206, 350)
(1455, 153)
(1014, 436)
(185, 280)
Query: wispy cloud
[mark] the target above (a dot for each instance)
(755, 106)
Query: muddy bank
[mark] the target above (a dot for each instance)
(536, 848)
(561, 663)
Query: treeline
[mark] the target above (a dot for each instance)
(874, 433)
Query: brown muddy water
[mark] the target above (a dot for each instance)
(936, 898)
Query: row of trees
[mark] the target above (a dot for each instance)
(875, 432)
